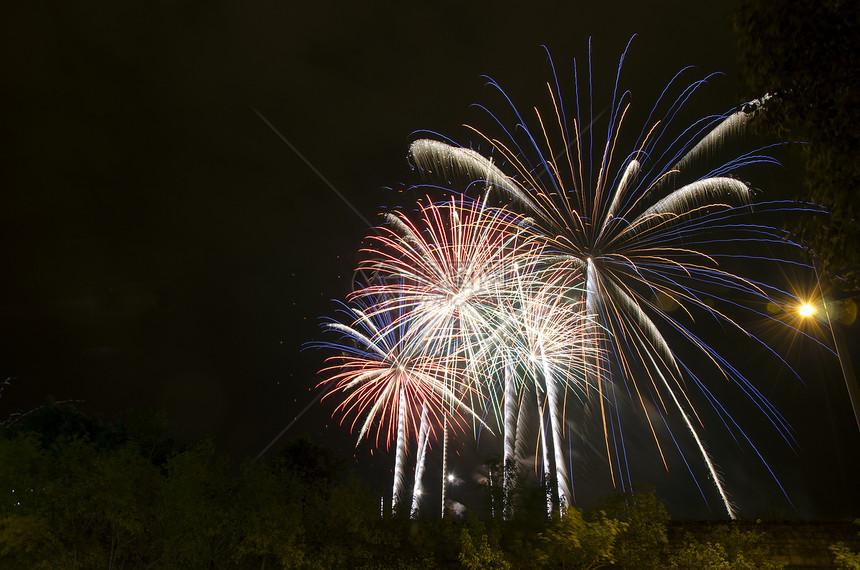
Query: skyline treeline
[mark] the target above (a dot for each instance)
(83, 492)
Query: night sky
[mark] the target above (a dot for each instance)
(163, 248)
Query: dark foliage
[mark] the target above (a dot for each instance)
(807, 56)
(82, 492)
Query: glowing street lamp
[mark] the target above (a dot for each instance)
(806, 310)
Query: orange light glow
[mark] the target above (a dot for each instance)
(807, 310)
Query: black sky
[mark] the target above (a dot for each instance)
(163, 248)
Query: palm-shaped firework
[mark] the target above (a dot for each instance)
(630, 230)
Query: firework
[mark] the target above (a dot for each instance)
(389, 383)
(543, 343)
(635, 232)
(448, 276)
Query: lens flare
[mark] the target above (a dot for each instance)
(806, 310)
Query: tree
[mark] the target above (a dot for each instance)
(26, 541)
(74, 505)
(193, 519)
(55, 421)
(805, 54)
(726, 547)
(341, 526)
(642, 543)
(26, 537)
(476, 550)
(268, 507)
(844, 556)
(571, 541)
(62, 422)
(314, 463)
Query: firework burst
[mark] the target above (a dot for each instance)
(388, 384)
(448, 276)
(636, 232)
